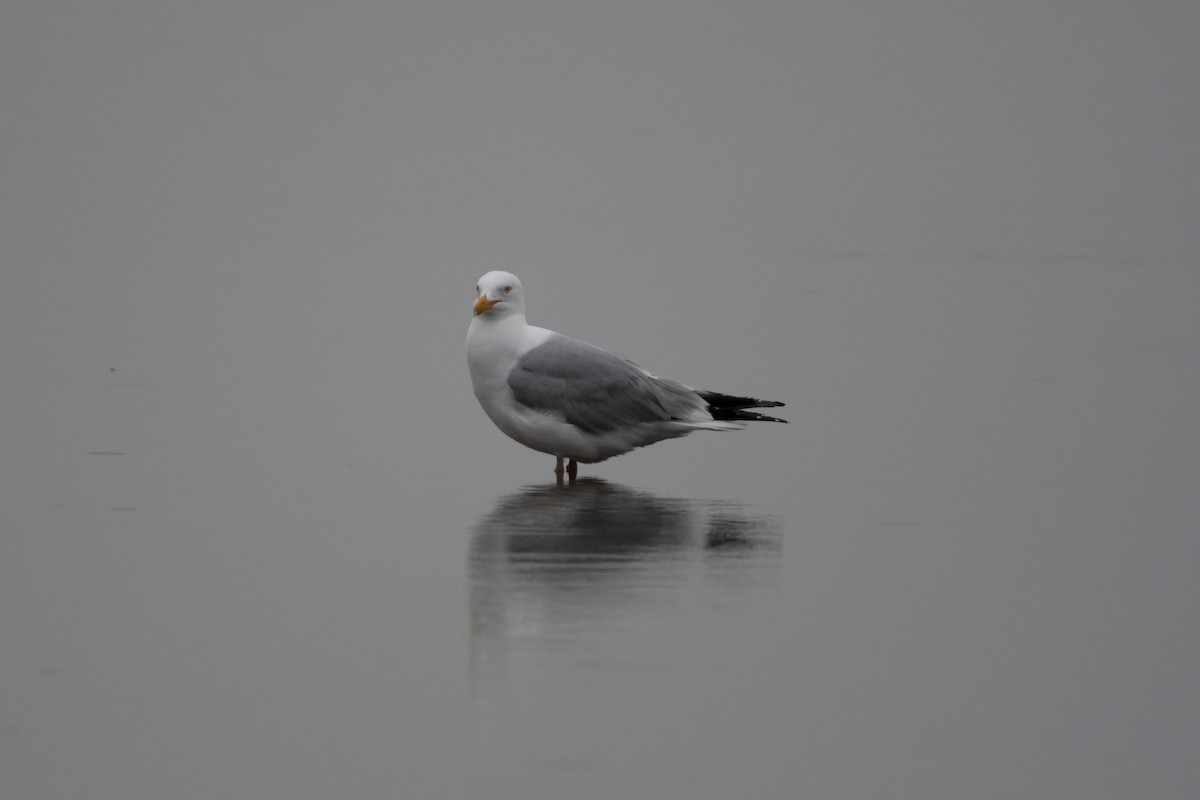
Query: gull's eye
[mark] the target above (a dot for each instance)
(476, 290)
(507, 289)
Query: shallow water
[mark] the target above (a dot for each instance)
(966, 567)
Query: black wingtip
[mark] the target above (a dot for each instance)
(731, 407)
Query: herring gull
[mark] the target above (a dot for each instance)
(575, 401)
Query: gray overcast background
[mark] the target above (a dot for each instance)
(244, 485)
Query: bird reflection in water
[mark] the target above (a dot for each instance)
(551, 567)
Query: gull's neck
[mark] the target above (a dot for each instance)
(495, 342)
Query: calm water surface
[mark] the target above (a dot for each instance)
(967, 568)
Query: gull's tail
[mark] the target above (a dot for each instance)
(728, 407)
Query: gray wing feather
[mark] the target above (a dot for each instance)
(596, 390)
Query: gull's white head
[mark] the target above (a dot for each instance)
(498, 295)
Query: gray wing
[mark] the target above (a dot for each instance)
(596, 390)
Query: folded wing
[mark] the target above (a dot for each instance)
(598, 391)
